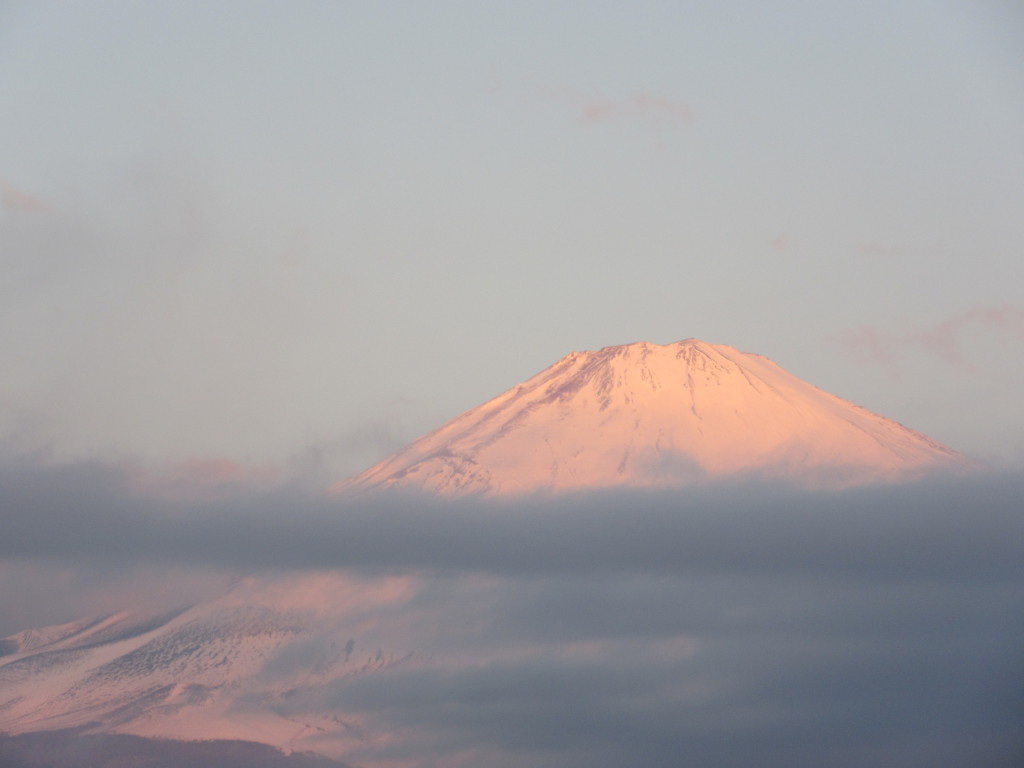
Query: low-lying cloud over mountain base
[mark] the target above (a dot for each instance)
(727, 626)
(939, 528)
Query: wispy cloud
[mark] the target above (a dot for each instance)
(16, 199)
(943, 339)
(640, 105)
(199, 478)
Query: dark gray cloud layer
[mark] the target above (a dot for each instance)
(729, 626)
(604, 670)
(957, 529)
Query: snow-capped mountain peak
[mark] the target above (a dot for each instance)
(649, 415)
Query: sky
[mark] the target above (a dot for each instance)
(248, 249)
(290, 238)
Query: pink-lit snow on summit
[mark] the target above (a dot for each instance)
(647, 415)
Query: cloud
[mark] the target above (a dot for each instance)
(198, 477)
(749, 624)
(755, 697)
(923, 530)
(639, 105)
(38, 592)
(942, 339)
(15, 199)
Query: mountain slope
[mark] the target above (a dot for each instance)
(645, 415)
(244, 666)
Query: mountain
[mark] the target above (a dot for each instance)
(646, 415)
(306, 662)
(248, 666)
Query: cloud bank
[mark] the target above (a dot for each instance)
(730, 626)
(935, 529)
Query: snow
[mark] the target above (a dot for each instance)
(646, 415)
(224, 669)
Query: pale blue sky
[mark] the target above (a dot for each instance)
(301, 234)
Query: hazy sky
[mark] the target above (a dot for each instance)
(296, 235)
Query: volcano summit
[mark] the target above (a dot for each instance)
(646, 415)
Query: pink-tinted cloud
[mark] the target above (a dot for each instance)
(16, 199)
(661, 107)
(868, 344)
(597, 110)
(639, 105)
(943, 339)
(871, 248)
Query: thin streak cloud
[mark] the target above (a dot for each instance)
(641, 105)
(943, 339)
(15, 199)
